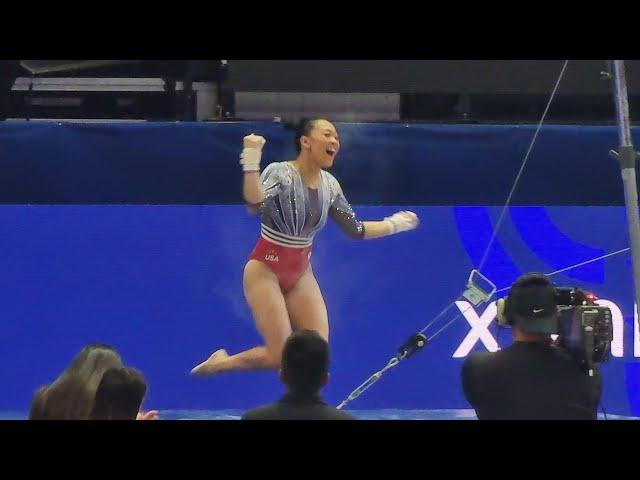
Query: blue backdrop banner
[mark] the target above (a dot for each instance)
(135, 234)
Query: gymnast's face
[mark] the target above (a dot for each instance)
(322, 143)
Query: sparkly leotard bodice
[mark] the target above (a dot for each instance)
(293, 213)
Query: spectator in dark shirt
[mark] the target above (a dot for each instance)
(304, 370)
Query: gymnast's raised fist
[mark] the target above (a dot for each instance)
(252, 153)
(254, 141)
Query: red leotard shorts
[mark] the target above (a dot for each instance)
(288, 263)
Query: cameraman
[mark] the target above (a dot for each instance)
(532, 379)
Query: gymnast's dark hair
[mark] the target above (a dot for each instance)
(300, 127)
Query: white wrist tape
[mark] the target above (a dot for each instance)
(250, 159)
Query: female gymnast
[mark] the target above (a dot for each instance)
(294, 198)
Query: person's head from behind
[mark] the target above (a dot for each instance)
(71, 395)
(305, 362)
(120, 395)
(531, 308)
(316, 140)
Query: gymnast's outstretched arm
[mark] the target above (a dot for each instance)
(342, 213)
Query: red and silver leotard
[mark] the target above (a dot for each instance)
(292, 214)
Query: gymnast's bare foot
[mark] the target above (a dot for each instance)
(212, 365)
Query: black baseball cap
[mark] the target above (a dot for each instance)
(532, 300)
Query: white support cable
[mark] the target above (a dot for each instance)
(524, 163)
(601, 257)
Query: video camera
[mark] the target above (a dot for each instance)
(585, 329)
(536, 305)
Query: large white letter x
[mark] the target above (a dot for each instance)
(479, 328)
